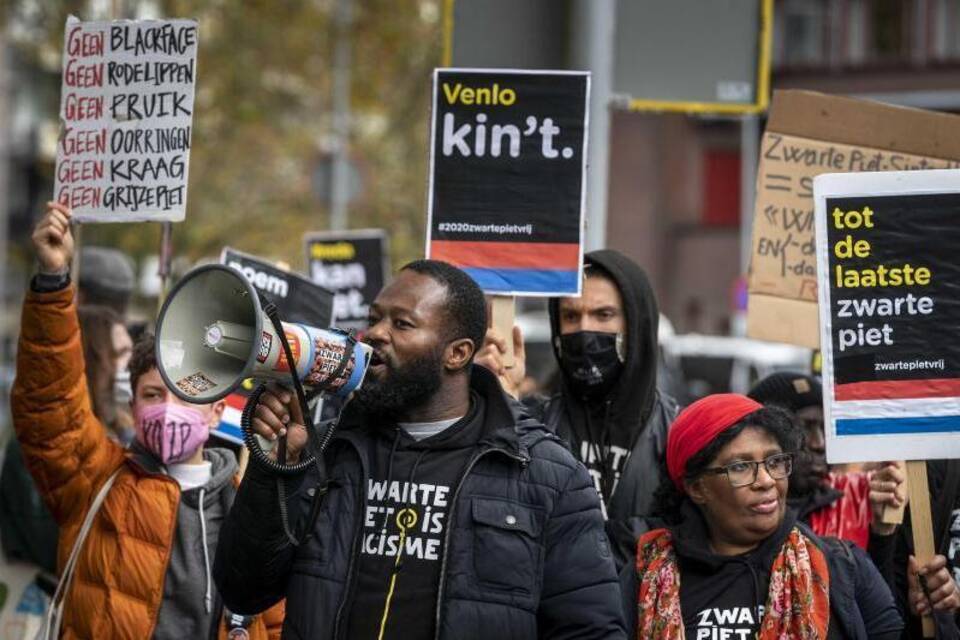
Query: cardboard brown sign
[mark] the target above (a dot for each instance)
(808, 134)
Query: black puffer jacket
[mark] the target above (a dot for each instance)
(552, 575)
(637, 410)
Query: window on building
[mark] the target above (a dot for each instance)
(799, 33)
(721, 187)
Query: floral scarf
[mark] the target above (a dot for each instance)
(798, 601)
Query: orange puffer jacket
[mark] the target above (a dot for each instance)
(118, 585)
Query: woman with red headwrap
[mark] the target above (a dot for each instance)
(729, 561)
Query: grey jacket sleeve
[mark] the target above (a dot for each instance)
(581, 594)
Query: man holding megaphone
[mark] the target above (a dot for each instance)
(138, 527)
(444, 511)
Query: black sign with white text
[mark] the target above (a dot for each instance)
(508, 168)
(296, 298)
(353, 264)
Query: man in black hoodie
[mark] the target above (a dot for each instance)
(609, 408)
(446, 512)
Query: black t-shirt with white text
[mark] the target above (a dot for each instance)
(605, 463)
(409, 495)
(723, 597)
(723, 606)
(603, 451)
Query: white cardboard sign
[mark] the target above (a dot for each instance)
(889, 294)
(126, 115)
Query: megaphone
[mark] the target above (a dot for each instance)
(213, 333)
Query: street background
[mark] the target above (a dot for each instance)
(313, 115)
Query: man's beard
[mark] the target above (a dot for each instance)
(402, 388)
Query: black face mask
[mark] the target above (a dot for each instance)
(591, 361)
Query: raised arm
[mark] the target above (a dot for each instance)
(64, 445)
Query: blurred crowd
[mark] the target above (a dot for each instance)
(457, 489)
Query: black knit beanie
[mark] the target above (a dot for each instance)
(792, 391)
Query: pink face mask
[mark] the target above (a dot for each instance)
(171, 432)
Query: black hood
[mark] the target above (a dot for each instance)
(635, 393)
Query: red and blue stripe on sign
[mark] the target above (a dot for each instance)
(896, 390)
(514, 266)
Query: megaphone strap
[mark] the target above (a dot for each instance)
(271, 310)
(316, 442)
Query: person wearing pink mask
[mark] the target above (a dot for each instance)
(143, 558)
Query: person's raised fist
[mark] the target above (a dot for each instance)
(53, 240)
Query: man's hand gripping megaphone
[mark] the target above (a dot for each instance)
(279, 414)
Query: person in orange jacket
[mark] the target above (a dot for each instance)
(143, 569)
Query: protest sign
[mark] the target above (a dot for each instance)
(808, 134)
(889, 288)
(126, 113)
(888, 292)
(507, 178)
(352, 264)
(297, 299)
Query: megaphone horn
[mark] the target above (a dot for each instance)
(213, 332)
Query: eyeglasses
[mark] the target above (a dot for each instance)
(743, 474)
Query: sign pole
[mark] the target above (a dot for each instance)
(166, 256)
(921, 522)
(502, 317)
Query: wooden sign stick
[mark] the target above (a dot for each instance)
(922, 523)
(165, 258)
(502, 312)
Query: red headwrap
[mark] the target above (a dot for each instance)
(699, 424)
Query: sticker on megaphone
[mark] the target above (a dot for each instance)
(317, 353)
